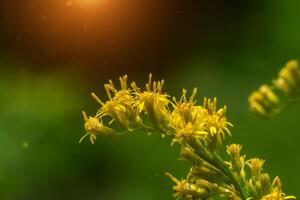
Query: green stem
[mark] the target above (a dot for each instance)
(236, 181)
(218, 162)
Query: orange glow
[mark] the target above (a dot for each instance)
(88, 3)
(91, 30)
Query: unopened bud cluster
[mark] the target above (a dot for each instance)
(199, 129)
(266, 102)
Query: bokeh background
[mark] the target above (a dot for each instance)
(53, 53)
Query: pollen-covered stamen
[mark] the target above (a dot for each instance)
(123, 82)
(183, 96)
(135, 88)
(97, 98)
(210, 105)
(108, 88)
(160, 86)
(149, 84)
(85, 117)
(193, 96)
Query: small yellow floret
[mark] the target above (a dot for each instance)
(120, 105)
(94, 127)
(153, 102)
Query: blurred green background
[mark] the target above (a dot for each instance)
(54, 53)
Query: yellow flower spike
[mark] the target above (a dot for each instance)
(200, 130)
(94, 127)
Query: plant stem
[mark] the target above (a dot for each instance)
(233, 177)
(218, 162)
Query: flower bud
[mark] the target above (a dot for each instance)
(207, 173)
(255, 165)
(237, 161)
(265, 183)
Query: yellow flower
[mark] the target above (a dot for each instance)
(216, 121)
(94, 127)
(186, 119)
(234, 150)
(188, 133)
(237, 162)
(120, 105)
(153, 102)
(255, 165)
(288, 78)
(196, 122)
(185, 110)
(277, 193)
(264, 101)
(188, 190)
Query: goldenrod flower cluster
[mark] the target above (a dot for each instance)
(199, 129)
(266, 102)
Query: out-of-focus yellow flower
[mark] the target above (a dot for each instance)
(153, 102)
(94, 127)
(288, 78)
(264, 101)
